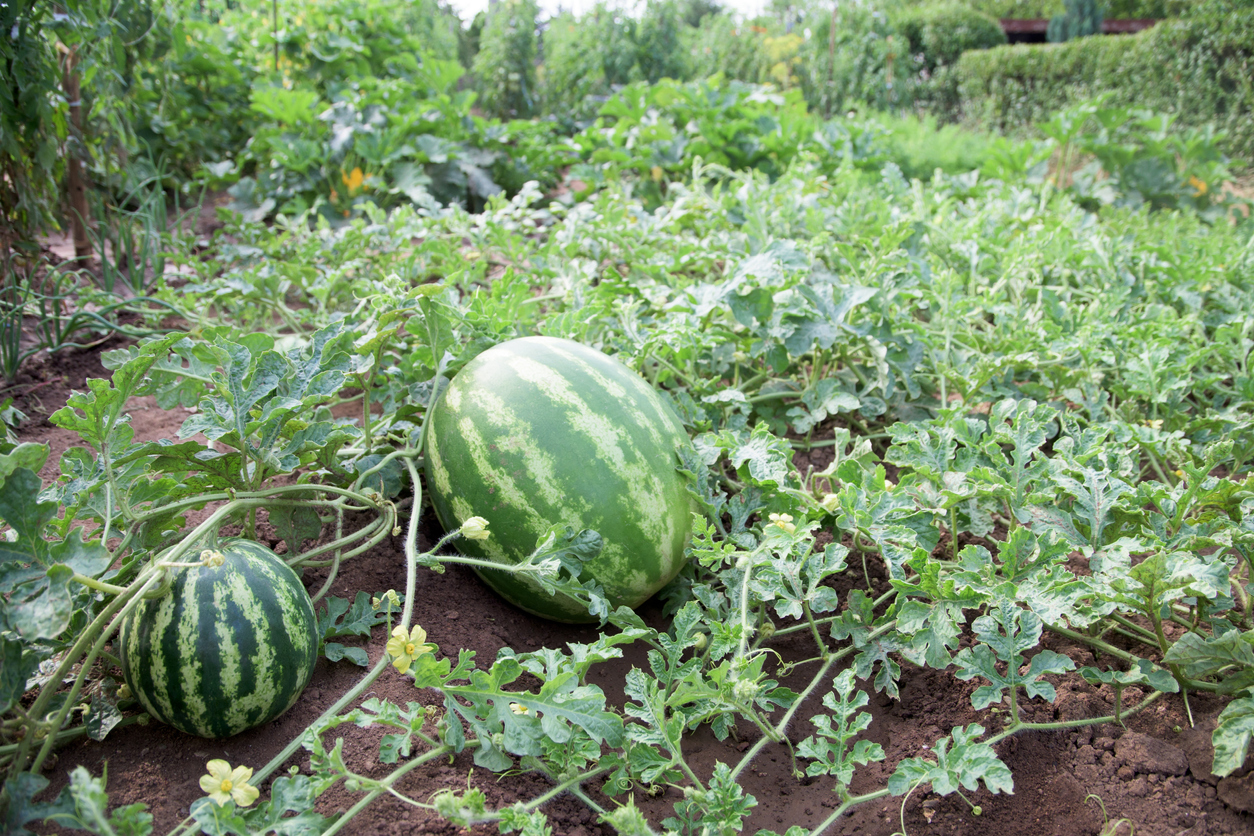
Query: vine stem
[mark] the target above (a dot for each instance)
(852, 801)
(91, 642)
(385, 785)
(1009, 731)
(820, 675)
(407, 611)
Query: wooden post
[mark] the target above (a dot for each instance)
(75, 177)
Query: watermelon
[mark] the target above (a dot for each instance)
(539, 432)
(229, 647)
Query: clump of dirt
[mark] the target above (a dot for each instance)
(1154, 772)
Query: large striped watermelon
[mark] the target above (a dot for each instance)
(538, 432)
(231, 646)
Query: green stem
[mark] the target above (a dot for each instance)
(365, 412)
(814, 629)
(374, 532)
(851, 801)
(1015, 728)
(1095, 643)
(1135, 631)
(95, 584)
(385, 785)
(90, 642)
(782, 725)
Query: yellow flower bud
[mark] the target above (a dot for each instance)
(475, 528)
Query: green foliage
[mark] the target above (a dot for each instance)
(919, 145)
(587, 57)
(504, 68)
(851, 58)
(657, 39)
(98, 42)
(1082, 19)
(659, 133)
(1194, 68)
(1112, 9)
(939, 34)
(34, 124)
(1052, 377)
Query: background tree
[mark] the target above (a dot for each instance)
(505, 67)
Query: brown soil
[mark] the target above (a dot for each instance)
(1053, 772)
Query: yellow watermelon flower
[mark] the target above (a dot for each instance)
(223, 784)
(475, 528)
(518, 708)
(784, 522)
(404, 647)
(1199, 186)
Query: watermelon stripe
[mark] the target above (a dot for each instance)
(228, 648)
(543, 431)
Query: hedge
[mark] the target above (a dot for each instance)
(939, 34)
(1200, 68)
(1111, 9)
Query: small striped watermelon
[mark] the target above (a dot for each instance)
(539, 431)
(229, 647)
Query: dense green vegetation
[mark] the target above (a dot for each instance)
(1045, 341)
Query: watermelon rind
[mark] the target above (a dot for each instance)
(229, 647)
(539, 432)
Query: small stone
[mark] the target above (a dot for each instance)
(1199, 828)
(1238, 793)
(452, 615)
(1149, 754)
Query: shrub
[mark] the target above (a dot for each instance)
(1195, 67)
(852, 58)
(659, 53)
(935, 37)
(575, 50)
(504, 68)
(590, 55)
(722, 45)
(939, 34)
(1112, 9)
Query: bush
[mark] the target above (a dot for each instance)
(504, 68)
(935, 37)
(1195, 67)
(659, 53)
(938, 35)
(852, 57)
(722, 45)
(587, 57)
(919, 146)
(1112, 9)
